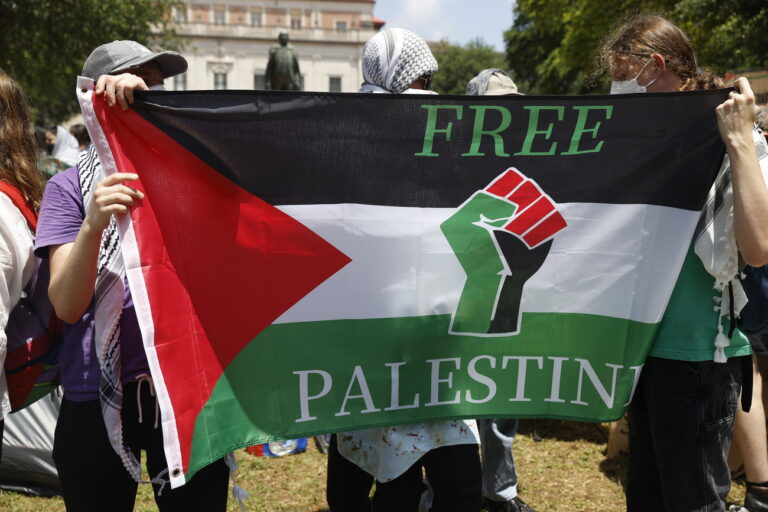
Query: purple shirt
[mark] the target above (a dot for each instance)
(61, 215)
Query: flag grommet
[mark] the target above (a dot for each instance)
(176, 472)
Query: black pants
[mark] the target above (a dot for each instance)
(680, 428)
(93, 477)
(453, 472)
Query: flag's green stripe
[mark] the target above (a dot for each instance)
(257, 398)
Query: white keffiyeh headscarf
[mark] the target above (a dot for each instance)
(393, 59)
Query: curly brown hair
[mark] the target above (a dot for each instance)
(18, 150)
(645, 34)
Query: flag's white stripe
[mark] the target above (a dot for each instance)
(612, 260)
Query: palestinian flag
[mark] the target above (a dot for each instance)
(308, 262)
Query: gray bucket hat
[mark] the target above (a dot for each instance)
(121, 55)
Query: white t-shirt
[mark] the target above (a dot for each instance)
(17, 262)
(387, 452)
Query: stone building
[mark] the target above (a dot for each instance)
(227, 41)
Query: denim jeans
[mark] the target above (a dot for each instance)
(499, 475)
(680, 428)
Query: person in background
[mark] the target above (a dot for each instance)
(762, 120)
(397, 61)
(21, 188)
(64, 145)
(80, 132)
(682, 412)
(748, 456)
(47, 165)
(496, 435)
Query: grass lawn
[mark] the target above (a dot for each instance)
(565, 471)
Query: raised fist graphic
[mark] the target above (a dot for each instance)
(501, 236)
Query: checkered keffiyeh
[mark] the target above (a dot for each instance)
(109, 296)
(394, 58)
(715, 243)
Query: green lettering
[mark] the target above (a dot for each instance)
(478, 132)
(581, 129)
(432, 129)
(533, 123)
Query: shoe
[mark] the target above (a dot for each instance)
(754, 502)
(516, 505)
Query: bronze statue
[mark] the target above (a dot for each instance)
(283, 67)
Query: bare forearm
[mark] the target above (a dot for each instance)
(735, 118)
(73, 274)
(750, 204)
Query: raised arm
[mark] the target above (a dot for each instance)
(73, 265)
(735, 119)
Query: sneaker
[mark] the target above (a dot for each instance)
(516, 505)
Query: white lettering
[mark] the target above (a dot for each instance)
(557, 373)
(304, 397)
(436, 381)
(394, 371)
(365, 393)
(637, 370)
(482, 379)
(522, 366)
(586, 367)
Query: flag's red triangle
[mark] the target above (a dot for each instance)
(219, 264)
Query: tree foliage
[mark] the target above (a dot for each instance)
(43, 43)
(459, 64)
(551, 45)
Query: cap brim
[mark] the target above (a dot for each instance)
(170, 63)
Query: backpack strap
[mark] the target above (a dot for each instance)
(18, 201)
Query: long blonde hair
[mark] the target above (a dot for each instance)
(18, 151)
(646, 34)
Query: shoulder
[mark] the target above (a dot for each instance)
(15, 236)
(62, 188)
(66, 179)
(11, 219)
(61, 211)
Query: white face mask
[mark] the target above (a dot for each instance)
(631, 86)
(159, 87)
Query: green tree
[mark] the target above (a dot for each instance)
(459, 64)
(43, 43)
(551, 45)
(728, 36)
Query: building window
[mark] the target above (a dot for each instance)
(255, 18)
(180, 14)
(180, 82)
(219, 81)
(341, 25)
(334, 84)
(219, 16)
(259, 82)
(296, 23)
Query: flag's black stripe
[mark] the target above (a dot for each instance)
(299, 148)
